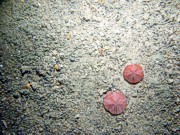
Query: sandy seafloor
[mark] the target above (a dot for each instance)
(91, 41)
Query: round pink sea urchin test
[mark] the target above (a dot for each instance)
(115, 102)
(133, 73)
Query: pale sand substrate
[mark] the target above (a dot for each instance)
(91, 41)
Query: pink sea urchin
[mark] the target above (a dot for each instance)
(133, 73)
(115, 102)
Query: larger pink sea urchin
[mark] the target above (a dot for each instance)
(133, 73)
(115, 102)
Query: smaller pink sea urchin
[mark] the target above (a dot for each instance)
(133, 73)
(115, 102)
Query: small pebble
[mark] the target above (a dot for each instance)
(72, 59)
(178, 6)
(170, 81)
(25, 70)
(16, 95)
(24, 92)
(4, 123)
(40, 129)
(168, 66)
(101, 92)
(20, 132)
(40, 73)
(77, 116)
